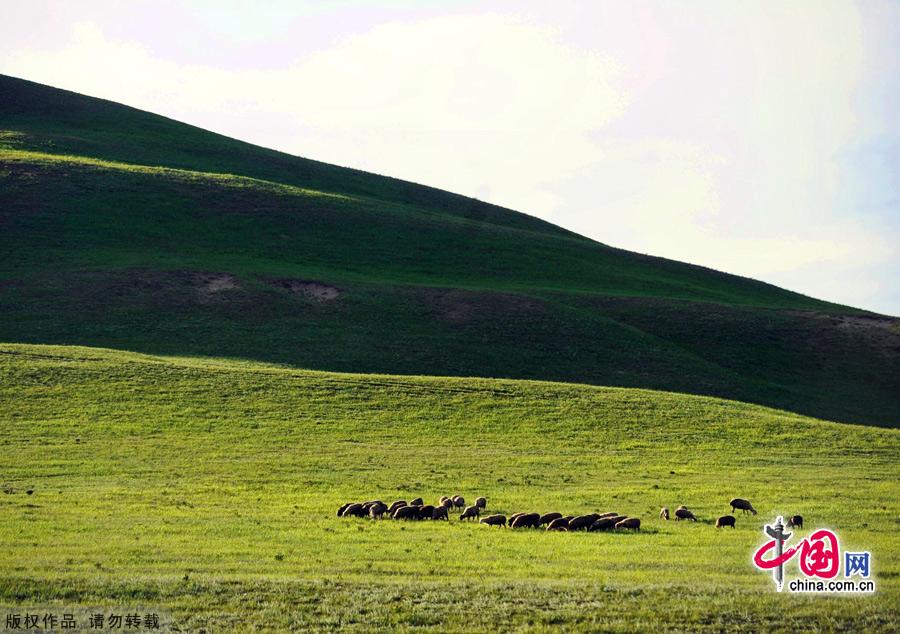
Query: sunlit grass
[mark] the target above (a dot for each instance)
(207, 489)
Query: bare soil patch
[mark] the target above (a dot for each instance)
(318, 291)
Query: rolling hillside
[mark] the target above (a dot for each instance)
(123, 229)
(205, 490)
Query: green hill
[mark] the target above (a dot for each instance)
(123, 229)
(206, 490)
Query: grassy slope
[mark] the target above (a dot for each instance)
(206, 489)
(97, 238)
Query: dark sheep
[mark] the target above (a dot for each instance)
(514, 516)
(417, 502)
(603, 524)
(406, 513)
(796, 520)
(444, 499)
(440, 513)
(559, 524)
(632, 523)
(426, 512)
(494, 520)
(682, 513)
(393, 507)
(664, 513)
(377, 510)
(583, 522)
(526, 520)
(546, 518)
(481, 502)
(725, 520)
(354, 510)
(447, 503)
(742, 504)
(343, 508)
(471, 512)
(459, 501)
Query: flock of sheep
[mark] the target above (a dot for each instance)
(417, 510)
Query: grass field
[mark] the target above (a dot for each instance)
(206, 490)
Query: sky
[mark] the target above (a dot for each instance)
(758, 138)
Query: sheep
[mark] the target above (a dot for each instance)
(526, 520)
(744, 505)
(459, 501)
(440, 513)
(444, 499)
(609, 514)
(447, 504)
(343, 508)
(681, 513)
(796, 520)
(546, 518)
(377, 510)
(494, 520)
(559, 524)
(582, 521)
(664, 513)
(417, 502)
(725, 520)
(603, 524)
(471, 512)
(633, 523)
(393, 507)
(406, 513)
(354, 510)
(481, 503)
(514, 516)
(426, 512)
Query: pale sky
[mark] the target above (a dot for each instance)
(757, 138)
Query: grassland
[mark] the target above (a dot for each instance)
(116, 226)
(206, 490)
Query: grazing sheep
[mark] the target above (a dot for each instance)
(354, 510)
(447, 504)
(682, 513)
(440, 513)
(632, 523)
(796, 520)
(610, 514)
(443, 500)
(494, 520)
(426, 512)
(526, 520)
(603, 524)
(664, 513)
(393, 507)
(471, 512)
(559, 524)
(343, 508)
(582, 522)
(417, 502)
(377, 510)
(744, 505)
(481, 503)
(459, 501)
(406, 513)
(514, 516)
(725, 520)
(546, 518)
